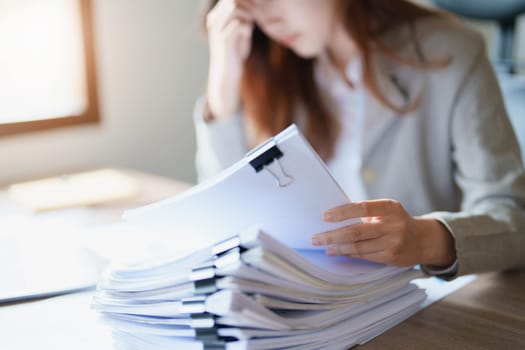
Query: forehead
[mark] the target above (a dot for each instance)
(263, 5)
(288, 7)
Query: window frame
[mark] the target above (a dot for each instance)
(91, 114)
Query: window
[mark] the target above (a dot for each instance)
(47, 67)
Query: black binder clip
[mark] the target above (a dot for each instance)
(269, 161)
(209, 336)
(205, 287)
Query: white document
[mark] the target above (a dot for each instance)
(262, 288)
(282, 187)
(355, 329)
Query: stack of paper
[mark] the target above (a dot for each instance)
(267, 288)
(253, 292)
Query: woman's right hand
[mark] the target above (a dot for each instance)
(230, 27)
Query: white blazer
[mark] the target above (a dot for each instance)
(455, 158)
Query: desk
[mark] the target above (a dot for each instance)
(152, 188)
(488, 313)
(34, 248)
(67, 322)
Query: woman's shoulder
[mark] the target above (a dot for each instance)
(437, 37)
(448, 51)
(448, 34)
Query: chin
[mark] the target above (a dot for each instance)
(306, 52)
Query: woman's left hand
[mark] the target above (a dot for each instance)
(387, 234)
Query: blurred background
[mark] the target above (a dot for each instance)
(87, 85)
(151, 65)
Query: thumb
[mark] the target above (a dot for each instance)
(244, 42)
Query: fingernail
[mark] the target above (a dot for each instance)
(316, 240)
(328, 216)
(332, 251)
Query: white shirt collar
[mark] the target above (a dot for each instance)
(329, 78)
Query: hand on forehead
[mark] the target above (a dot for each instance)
(254, 6)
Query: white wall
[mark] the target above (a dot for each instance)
(152, 65)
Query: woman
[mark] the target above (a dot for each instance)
(400, 101)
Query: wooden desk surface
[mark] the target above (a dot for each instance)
(488, 313)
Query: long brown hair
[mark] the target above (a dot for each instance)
(276, 81)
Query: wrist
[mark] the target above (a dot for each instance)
(219, 106)
(222, 92)
(436, 243)
(212, 112)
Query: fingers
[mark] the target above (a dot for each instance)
(387, 233)
(381, 207)
(240, 33)
(238, 15)
(223, 22)
(364, 241)
(379, 257)
(229, 27)
(228, 10)
(349, 234)
(376, 250)
(239, 28)
(359, 249)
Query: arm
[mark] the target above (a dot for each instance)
(218, 126)
(489, 232)
(220, 143)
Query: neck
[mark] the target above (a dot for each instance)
(341, 48)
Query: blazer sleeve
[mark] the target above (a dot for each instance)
(219, 143)
(489, 230)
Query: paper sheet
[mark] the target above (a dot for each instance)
(240, 197)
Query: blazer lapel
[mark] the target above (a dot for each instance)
(378, 117)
